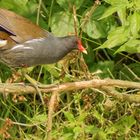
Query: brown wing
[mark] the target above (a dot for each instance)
(17, 28)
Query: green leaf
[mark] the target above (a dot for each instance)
(20, 2)
(91, 129)
(134, 20)
(122, 15)
(69, 116)
(117, 37)
(39, 118)
(93, 30)
(106, 67)
(13, 4)
(66, 4)
(77, 131)
(117, 2)
(93, 27)
(116, 6)
(137, 4)
(8, 4)
(98, 116)
(131, 46)
(52, 70)
(123, 125)
(62, 23)
(110, 10)
(101, 135)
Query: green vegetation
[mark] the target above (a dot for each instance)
(110, 31)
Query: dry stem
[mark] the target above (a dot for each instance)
(95, 83)
(50, 114)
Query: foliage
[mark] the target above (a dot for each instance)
(110, 31)
(126, 35)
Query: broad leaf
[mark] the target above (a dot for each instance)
(122, 15)
(117, 2)
(92, 26)
(115, 7)
(134, 21)
(116, 37)
(62, 24)
(131, 46)
(66, 4)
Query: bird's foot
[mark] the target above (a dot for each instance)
(36, 85)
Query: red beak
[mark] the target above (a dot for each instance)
(80, 46)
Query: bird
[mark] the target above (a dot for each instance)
(25, 44)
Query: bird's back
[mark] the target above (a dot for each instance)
(18, 28)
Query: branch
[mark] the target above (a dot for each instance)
(107, 85)
(18, 88)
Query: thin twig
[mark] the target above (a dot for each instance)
(38, 12)
(75, 20)
(50, 114)
(121, 96)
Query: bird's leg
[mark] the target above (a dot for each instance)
(38, 84)
(34, 83)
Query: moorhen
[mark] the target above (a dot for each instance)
(24, 44)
